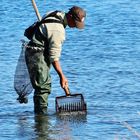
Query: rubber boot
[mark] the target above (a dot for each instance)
(40, 103)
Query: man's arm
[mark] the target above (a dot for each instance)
(63, 79)
(56, 39)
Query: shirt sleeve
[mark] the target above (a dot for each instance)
(55, 46)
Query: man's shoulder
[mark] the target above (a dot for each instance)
(57, 12)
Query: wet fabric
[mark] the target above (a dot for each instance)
(40, 103)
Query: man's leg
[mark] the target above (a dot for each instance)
(40, 79)
(40, 103)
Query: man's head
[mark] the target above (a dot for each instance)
(76, 17)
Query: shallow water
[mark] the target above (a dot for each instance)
(101, 62)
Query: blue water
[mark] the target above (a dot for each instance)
(101, 62)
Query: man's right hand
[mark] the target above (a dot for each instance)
(63, 81)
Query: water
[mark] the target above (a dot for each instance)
(101, 62)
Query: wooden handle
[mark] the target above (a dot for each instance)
(67, 91)
(36, 10)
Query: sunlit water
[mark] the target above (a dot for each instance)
(102, 62)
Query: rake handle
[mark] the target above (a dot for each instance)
(67, 91)
(36, 9)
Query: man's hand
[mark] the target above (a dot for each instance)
(63, 82)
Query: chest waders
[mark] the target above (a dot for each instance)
(38, 65)
(38, 68)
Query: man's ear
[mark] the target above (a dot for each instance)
(71, 22)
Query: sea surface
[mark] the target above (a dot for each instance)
(102, 62)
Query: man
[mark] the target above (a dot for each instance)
(44, 50)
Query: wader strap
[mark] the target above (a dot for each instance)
(58, 20)
(47, 21)
(53, 14)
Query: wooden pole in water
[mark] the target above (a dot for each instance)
(36, 10)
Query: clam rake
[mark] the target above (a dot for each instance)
(70, 103)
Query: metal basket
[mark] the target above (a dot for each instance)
(70, 103)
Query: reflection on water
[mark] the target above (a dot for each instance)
(42, 127)
(24, 128)
(78, 118)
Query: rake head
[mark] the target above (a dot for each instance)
(71, 103)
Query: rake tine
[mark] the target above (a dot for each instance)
(62, 108)
(80, 106)
(76, 107)
(70, 107)
(66, 107)
(73, 107)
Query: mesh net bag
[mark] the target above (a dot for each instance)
(22, 83)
